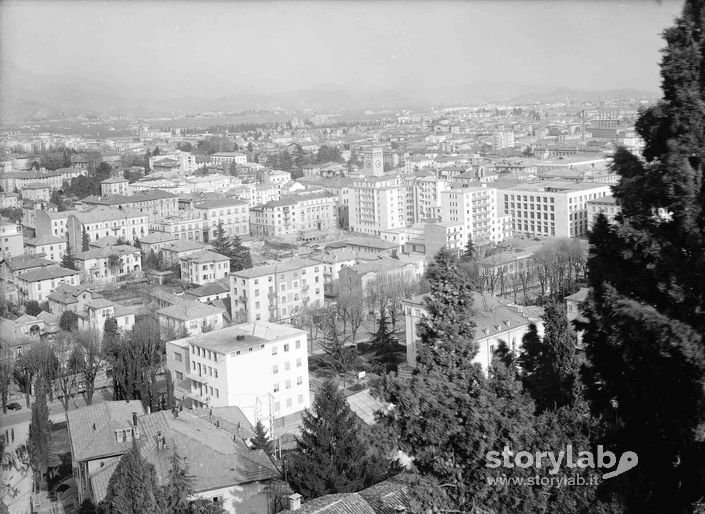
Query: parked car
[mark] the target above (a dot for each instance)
(14, 406)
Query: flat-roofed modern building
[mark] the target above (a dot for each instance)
(550, 208)
(260, 367)
(276, 292)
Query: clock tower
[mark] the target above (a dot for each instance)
(373, 162)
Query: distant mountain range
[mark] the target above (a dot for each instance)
(29, 96)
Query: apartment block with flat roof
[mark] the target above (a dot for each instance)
(276, 292)
(550, 208)
(260, 367)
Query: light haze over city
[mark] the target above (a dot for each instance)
(206, 49)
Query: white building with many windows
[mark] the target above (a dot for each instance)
(476, 209)
(260, 367)
(276, 292)
(550, 208)
(375, 204)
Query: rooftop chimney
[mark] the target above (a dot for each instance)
(295, 501)
(134, 419)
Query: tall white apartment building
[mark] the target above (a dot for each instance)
(129, 224)
(11, 239)
(276, 292)
(260, 367)
(550, 208)
(423, 196)
(375, 204)
(476, 209)
(503, 139)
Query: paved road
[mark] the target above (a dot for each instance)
(19, 419)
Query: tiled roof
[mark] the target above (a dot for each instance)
(157, 237)
(342, 503)
(221, 286)
(189, 310)
(205, 256)
(107, 251)
(44, 240)
(92, 429)
(221, 202)
(214, 457)
(66, 293)
(182, 245)
(21, 262)
(280, 267)
(46, 274)
(367, 242)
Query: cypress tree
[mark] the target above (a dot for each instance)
(85, 241)
(132, 489)
(384, 342)
(39, 432)
(261, 441)
(646, 312)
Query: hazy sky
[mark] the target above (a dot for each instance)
(212, 48)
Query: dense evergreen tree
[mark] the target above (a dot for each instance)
(550, 367)
(85, 241)
(449, 414)
(39, 432)
(176, 493)
(68, 321)
(261, 441)
(32, 308)
(132, 488)
(233, 248)
(330, 457)
(646, 312)
(385, 343)
(67, 261)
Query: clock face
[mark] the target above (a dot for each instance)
(378, 163)
(368, 164)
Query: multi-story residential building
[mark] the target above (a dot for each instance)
(9, 200)
(295, 214)
(71, 298)
(229, 158)
(94, 313)
(11, 240)
(257, 194)
(172, 252)
(423, 195)
(476, 209)
(115, 186)
(191, 317)
(38, 283)
(36, 191)
(183, 162)
(232, 213)
(260, 367)
(21, 179)
(154, 241)
(365, 247)
(186, 225)
(209, 183)
(276, 292)
(204, 267)
(332, 264)
(374, 204)
(503, 139)
(108, 264)
(550, 208)
(52, 247)
(607, 206)
(154, 203)
(495, 321)
(369, 280)
(99, 222)
(50, 222)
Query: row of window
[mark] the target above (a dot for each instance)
(287, 366)
(287, 384)
(275, 348)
